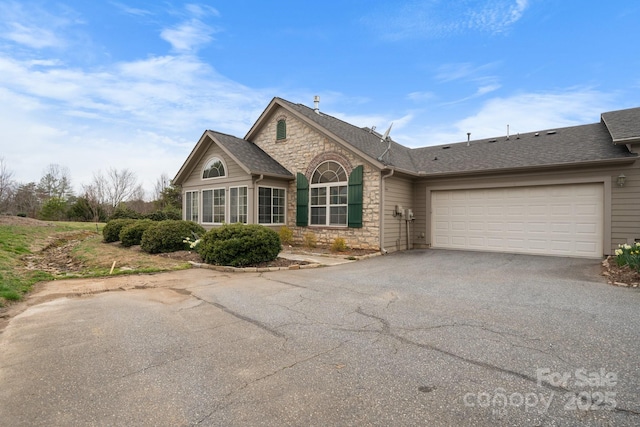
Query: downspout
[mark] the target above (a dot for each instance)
(255, 198)
(382, 178)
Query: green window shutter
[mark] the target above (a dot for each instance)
(355, 198)
(302, 201)
(281, 129)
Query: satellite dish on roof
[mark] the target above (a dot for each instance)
(386, 138)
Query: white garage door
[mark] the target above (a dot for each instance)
(553, 220)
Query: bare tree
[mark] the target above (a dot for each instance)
(55, 182)
(161, 184)
(111, 189)
(25, 199)
(94, 194)
(122, 185)
(7, 185)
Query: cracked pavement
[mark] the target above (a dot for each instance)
(416, 338)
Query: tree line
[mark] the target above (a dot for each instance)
(109, 193)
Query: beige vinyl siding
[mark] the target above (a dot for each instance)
(235, 175)
(621, 205)
(420, 211)
(398, 191)
(625, 207)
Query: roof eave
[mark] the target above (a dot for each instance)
(624, 141)
(179, 177)
(273, 175)
(618, 160)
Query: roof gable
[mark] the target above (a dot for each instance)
(362, 141)
(624, 125)
(246, 154)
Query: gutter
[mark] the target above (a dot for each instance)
(534, 168)
(382, 178)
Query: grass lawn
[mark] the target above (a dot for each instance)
(23, 240)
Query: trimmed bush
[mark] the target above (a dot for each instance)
(156, 216)
(239, 245)
(172, 213)
(169, 235)
(123, 212)
(132, 234)
(111, 231)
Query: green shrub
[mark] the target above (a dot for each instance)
(132, 234)
(111, 231)
(286, 235)
(169, 235)
(158, 216)
(339, 245)
(239, 245)
(123, 212)
(172, 213)
(310, 239)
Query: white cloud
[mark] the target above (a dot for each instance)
(421, 96)
(34, 27)
(435, 19)
(525, 112)
(131, 10)
(188, 36)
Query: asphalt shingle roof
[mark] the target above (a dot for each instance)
(624, 125)
(563, 146)
(251, 155)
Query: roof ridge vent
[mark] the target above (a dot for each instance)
(551, 132)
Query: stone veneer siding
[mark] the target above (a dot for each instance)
(302, 150)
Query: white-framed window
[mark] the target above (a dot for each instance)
(238, 205)
(214, 168)
(191, 205)
(271, 205)
(213, 206)
(328, 199)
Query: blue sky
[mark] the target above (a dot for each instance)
(133, 84)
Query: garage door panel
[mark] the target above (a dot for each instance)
(559, 219)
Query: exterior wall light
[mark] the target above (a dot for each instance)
(621, 180)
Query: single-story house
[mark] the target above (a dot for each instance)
(572, 191)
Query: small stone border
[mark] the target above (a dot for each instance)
(607, 265)
(339, 256)
(229, 269)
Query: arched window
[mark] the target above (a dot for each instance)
(281, 129)
(213, 169)
(328, 195)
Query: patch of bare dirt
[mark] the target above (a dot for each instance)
(620, 276)
(56, 257)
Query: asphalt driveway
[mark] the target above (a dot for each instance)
(417, 338)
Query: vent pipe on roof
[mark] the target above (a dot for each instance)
(316, 104)
(468, 138)
(507, 132)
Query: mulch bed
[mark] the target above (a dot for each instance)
(620, 276)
